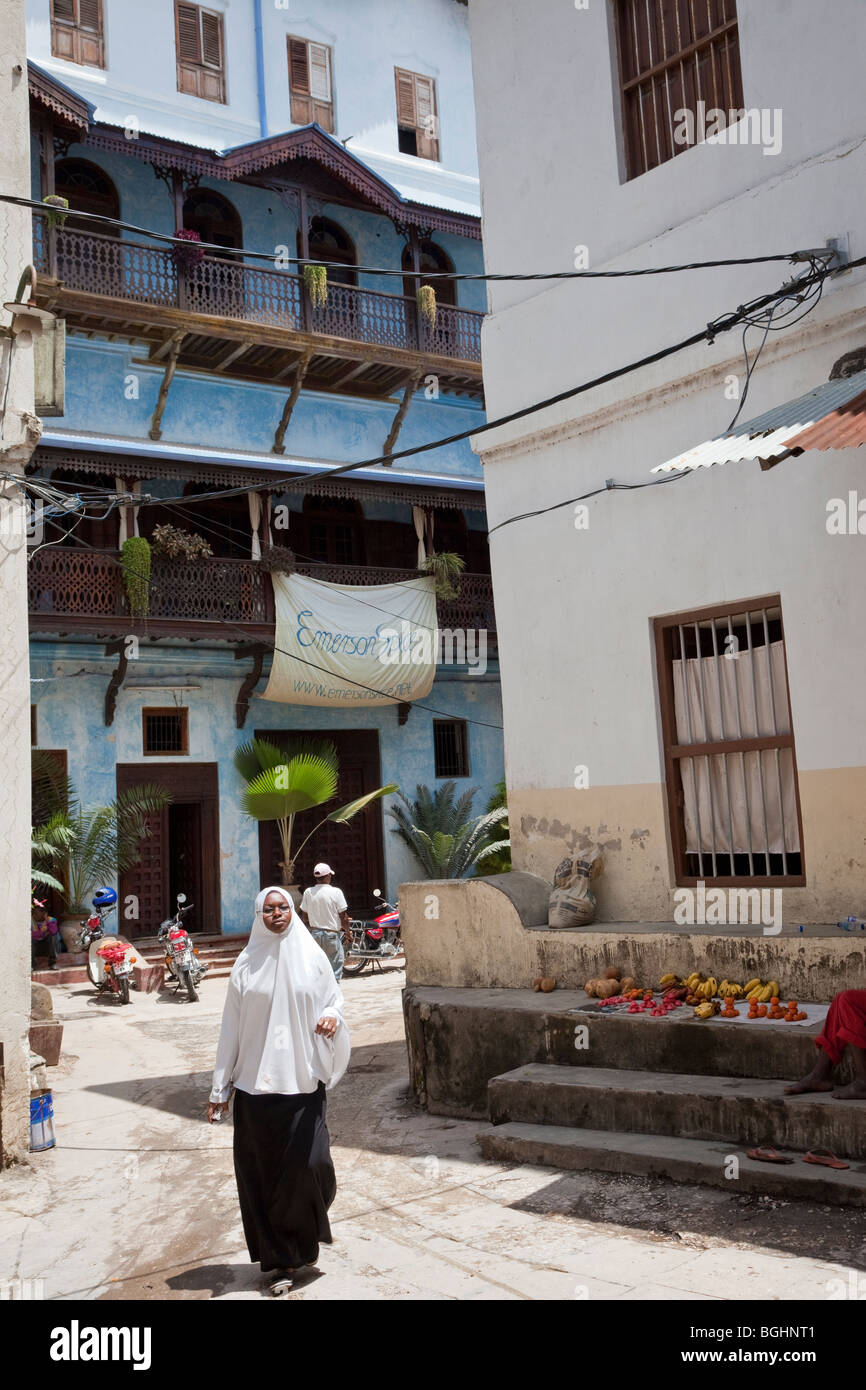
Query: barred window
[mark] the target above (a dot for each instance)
(730, 762)
(675, 57)
(451, 747)
(165, 731)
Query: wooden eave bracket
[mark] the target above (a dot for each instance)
(408, 392)
(171, 346)
(117, 649)
(278, 446)
(249, 682)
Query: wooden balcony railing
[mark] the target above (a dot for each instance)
(83, 590)
(228, 288)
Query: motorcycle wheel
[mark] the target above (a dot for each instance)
(123, 983)
(353, 964)
(191, 994)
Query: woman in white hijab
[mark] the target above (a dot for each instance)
(283, 1043)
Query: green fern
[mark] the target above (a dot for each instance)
(440, 830)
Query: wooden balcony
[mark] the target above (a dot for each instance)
(252, 321)
(81, 592)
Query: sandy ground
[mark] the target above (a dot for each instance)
(138, 1199)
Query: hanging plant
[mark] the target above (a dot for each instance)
(278, 559)
(173, 543)
(427, 304)
(136, 574)
(55, 219)
(316, 284)
(446, 569)
(187, 255)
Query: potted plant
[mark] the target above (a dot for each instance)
(282, 782)
(316, 284)
(97, 845)
(135, 557)
(186, 251)
(278, 559)
(173, 543)
(446, 569)
(56, 207)
(426, 300)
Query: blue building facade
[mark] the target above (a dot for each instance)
(190, 375)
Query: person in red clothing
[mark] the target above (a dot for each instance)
(43, 931)
(845, 1026)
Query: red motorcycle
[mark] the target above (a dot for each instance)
(369, 942)
(117, 960)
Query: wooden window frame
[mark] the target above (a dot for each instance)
(304, 107)
(75, 42)
(720, 42)
(198, 72)
(462, 728)
(162, 710)
(674, 751)
(428, 146)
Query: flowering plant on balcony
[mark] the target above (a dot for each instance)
(187, 255)
(173, 543)
(55, 218)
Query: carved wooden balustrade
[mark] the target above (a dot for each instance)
(226, 287)
(73, 590)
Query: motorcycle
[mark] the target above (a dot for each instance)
(181, 958)
(109, 958)
(375, 941)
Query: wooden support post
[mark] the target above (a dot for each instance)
(117, 649)
(278, 446)
(155, 430)
(410, 388)
(250, 682)
(304, 251)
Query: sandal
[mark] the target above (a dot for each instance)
(282, 1282)
(825, 1158)
(768, 1156)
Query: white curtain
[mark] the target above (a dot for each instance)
(735, 802)
(123, 531)
(419, 518)
(269, 540)
(255, 504)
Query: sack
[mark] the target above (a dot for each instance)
(572, 902)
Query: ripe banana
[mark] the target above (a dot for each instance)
(712, 986)
(751, 985)
(707, 1009)
(729, 989)
(775, 988)
(669, 980)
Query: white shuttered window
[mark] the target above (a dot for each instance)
(310, 85)
(417, 119)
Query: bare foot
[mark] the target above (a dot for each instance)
(856, 1091)
(809, 1083)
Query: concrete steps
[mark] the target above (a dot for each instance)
(661, 1156)
(730, 1109)
(689, 1127)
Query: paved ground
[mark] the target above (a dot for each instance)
(138, 1200)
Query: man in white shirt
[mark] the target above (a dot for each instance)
(325, 911)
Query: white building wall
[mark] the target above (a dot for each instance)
(575, 607)
(368, 38)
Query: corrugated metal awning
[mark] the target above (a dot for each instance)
(832, 416)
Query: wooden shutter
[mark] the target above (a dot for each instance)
(64, 9)
(301, 103)
(406, 115)
(425, 106)
(89, 16)
(320, 86)
(200, 52)
(212, 76)
(188, 46)
(76, 31)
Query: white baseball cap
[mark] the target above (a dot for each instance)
(322, 869)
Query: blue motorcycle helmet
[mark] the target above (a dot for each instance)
(104, 897)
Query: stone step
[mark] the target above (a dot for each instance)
(730, 1109)
(683, 1160)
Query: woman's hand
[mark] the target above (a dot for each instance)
(215, 1108)
(327, 1026)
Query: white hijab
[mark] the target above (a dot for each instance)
(280, 986)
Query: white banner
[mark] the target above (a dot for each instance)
(340, 644)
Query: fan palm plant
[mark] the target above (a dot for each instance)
(282, 782)
(99, 843)
(440, 830)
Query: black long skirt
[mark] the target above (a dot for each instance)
(285, 1176)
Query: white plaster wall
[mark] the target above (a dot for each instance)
(368, 39)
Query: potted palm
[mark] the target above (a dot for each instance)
(95, 846)
(444, 836)
(282, 782)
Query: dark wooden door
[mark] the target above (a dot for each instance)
(182, 853)
(354, 850)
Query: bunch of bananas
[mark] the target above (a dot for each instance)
(667, 981)
(708, 1008)
(729, 989)
(761, 993)
(701, 986)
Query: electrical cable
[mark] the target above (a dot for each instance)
(237, 251)
(723, 324)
